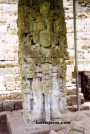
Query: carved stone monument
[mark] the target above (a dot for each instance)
(42, 56)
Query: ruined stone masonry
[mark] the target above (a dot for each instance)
(83, 49)
(10, 81)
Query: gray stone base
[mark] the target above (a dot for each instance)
(79, 123)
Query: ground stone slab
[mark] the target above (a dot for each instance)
(80, 124)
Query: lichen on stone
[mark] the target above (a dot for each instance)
(41, 27)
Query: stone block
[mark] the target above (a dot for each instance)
(7, 1)
(1, 107)
(70, 92)
(72, 99)
(74, 108)
(85, 107)
(18, 105)
(8, 106)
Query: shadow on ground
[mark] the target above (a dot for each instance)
(4, 125)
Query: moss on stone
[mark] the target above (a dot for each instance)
(44, 8)
(42, 22)
(84, 2)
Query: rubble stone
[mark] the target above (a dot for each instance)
(72, 99)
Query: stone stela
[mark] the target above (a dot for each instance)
(42, 56)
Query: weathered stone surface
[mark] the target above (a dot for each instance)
(78, 123)
(10, 105)
(72, 99)
(73, 108)
(83, 36)
(8, 1)
(42, 61)
(10, 80)
(1, 107)
(9, 42)
(84, 2)
(4, 124)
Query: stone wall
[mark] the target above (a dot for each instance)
(83, 49)
(9, 69)
(8, 1)
(83, 37)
